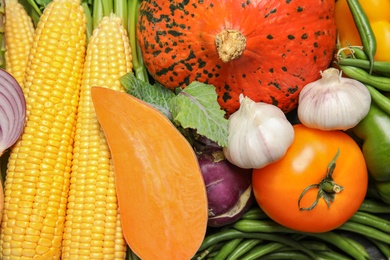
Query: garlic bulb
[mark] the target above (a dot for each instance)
(259, 134)
(333, 102)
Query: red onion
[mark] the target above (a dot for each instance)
(12, 111)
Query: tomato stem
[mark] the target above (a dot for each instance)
(327, 188)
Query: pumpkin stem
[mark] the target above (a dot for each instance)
(230, 44)
(327, 188)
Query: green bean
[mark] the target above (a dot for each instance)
(380, 67)
(255, 213)
(217, 237)
(371, 220)
(206, 252)
(282, 239)
(366, 231)
(244, 247)
(215, 249)
(229, 234)
(358, 58)
(358, 52)
(261, 250)
(355, 52)
(289, 253)
(269, 226)
(227, 248)
(379, 98)
(285, 255)
(212, 254)
(374, 206)
(379, 82)
(384, 74)
(287, 241)
(358, 246)
(314, 245)
(340, 242)
(377, 66)
(326, 255)
(249, 225)
(365, 31)
(383, 247)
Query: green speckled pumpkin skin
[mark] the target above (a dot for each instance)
(288, 43)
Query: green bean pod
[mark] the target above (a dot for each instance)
(326, 255)
(377, 66)
(379, 82)
(383, 247)
(314, 245)
(380, 99)
(374, 206)
(358, 246)
(366, 231)
(227, 249)
(353, 52)
(229, 234)
(371, 221)
(255, 213)
(204, 254)
(269, 226)
(364, 28)
(262, 250)
(244, 247)
(358, 52)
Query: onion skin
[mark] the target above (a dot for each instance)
(229, 189)
(12, 111)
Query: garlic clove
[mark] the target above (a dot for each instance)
(259, 134)
(333, 102)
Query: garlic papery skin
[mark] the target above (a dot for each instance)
(333, 102)
(259, 134)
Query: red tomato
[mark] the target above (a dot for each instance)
(278, 186)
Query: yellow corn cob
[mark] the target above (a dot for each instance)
(19, 30)
(38, 173)
(2, 34)
(93, 227)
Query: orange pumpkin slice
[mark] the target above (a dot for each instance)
(161, 193)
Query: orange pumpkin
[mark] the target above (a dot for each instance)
(161, 192)
(267, 50)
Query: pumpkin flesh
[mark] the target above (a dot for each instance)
(288, 43)
(161, 193)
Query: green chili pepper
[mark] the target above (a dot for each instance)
(373, 130)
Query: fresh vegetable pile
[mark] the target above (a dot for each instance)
(164, 129)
